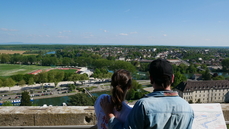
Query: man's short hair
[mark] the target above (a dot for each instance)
(161, 72)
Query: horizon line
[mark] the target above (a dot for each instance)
(108, 44)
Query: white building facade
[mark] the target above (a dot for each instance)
(212, 91)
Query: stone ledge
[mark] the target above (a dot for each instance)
(225, 108)
(46, 116)
(56, 115)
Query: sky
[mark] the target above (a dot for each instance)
(116, 22)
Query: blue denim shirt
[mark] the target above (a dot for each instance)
(158, 110)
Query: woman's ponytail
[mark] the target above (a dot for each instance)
(121, 82)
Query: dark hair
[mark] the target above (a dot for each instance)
(121, 82)
(161, 72)
(164, 83)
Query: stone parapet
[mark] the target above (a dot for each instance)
(225, 108)
(46, 116)
(56, 115)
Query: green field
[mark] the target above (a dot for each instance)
(12, 69)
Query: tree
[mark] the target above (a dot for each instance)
(225, 64)
(123, 65)
(111, 57)
(130, 94)
(80, 99)
(204, 66)
(42, 78)
(31, 81)
(102, 63)
(178, 78)
(32, 59)
(58, 77)
(7, 103)
(66, 61)
(9, 82)
(74, 78)
(218, 78)
(25, 99)
(136, 91)
(191, 69)
(49, 61)
(51, 76)
(21, 83)
(71, 87)
(144, 67)
(1, 83)
(5, 58)
(102, 73)
(27, 77)
(78, 77)
(17, 77)
(15, 58)
(206, 75)
(55, 76)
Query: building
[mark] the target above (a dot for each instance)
(212, 91)
(85, 70)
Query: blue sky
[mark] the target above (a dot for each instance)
(129, 22)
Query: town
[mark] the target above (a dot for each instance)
(192, 66)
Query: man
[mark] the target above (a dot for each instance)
(161, 109)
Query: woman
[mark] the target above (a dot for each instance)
(121, 82)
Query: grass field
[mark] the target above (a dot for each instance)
(11, 52)
(12, 69)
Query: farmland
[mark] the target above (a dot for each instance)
(11, 52)
(12, 69)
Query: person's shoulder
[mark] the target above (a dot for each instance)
(97, 102)
(102, 96)
(142, 101)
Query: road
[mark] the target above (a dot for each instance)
(50, 91)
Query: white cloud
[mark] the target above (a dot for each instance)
(47, 35)
(164, 35)
(4, 29)
(123, 34)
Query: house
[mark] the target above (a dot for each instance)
(121, 58)
(212, 91)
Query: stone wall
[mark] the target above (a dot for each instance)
(225, 108)
(46, 116)
(56, 115)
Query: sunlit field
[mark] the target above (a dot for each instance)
(12, 69)
(11, 52)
